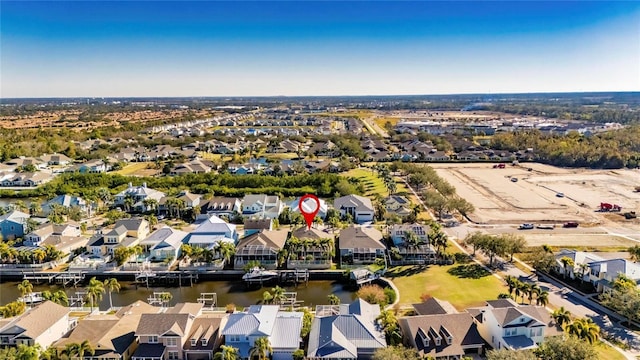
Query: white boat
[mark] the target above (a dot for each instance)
(32, 298)
(257, 274)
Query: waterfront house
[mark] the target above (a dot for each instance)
(179, 333)
(163, 244)
(504, 324)
(398, 233)
(41, 325)
(310, 248)
(360, 245)
(263, 246)
(26, 161)
(261, 206)
(221, 205)
(359, 207)
(111, 336)
(211, 231)
(281, 328)
(139, 194)
(191, 201)
(252, 226)
(64, 238)
(13, 224)
(125, 232)
(26, 179)
(66, 201)
(349, 331)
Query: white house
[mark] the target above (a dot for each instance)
(282, 328)
(261, 206)
(138, 194)
(357, 206)
(66, 201)
(505, 324)
(322, 212)
(163, 243)
(211, 231)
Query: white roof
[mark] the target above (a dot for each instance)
(214, 225)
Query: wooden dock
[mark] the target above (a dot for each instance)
(165, 278)
(208, 300)
(296, 277)
(39, 277)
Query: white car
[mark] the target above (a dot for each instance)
(526, 226)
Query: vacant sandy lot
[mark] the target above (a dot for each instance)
(533, 197)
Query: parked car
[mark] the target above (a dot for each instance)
(560, 195)
(514, 179)
(526, 227)
(570, 224)
(546, 226)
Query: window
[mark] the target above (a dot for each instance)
(172, 355)
(204, 342)
(234, 338)
(153, 339)
(172, 342)
(194, 342)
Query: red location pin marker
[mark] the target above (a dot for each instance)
(308, 209)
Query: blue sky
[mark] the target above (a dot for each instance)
(209, 48)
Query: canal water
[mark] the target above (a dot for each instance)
(236, 292)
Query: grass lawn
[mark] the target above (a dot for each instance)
(372, 183)
(381, 121)
(138, 169)
(607, 352)
(210, 156)
(281, 156)
(463, 285)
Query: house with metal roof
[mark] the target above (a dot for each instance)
(163, 243)
(138, 194)
(66, 201)
(282, 328)
(13, 224)
(40, 325)
(221, 205)
(261, 206)
(359, 207)
(212, 231)
(350, 333)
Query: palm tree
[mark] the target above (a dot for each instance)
(227, 353)
(411, 239)
(94, 291)
(584, 329)
(543, 298)
(226, 250)
(52, 353)
(150, 204)
(85, 347)
(278, 294)
(333, 299)
(165, 298)
(534, 290)
(568, 263)
(25, 287)
(34, 208)
(583, 269)
(261, 349)
(111, 285)
(70, 350)
(267, 297)
(39, 255)
(561, 316)
(59, 297)
(512, 282)
(26, 352)
(634, 251)
(129, 201)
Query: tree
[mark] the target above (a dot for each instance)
(12, 309)
(111, 285)
(389, 324)
(278, 294)
(584, 329)
(625, 301)
(504, 354)
(25, 287)
(59, 297)
(396, 353)
(226, 250)
(567, 263)
(634, 251)
(298, 354)
(561, 316)
(512, 282)
(95, 289)
(307, 321)
(333, 299)
(559, 348)
(411, 239)
(513, 244)
(373, 294)
(261, 349)
(267, 298)
(84, 347)
(543, 298)
(165, 298)
(227, 353)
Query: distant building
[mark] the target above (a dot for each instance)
(357, 206)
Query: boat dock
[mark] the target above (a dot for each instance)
(296, 277)
(72, 278)
(208, 300)
(164, 278)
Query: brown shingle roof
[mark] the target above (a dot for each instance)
(40, 318)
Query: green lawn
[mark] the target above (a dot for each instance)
(469, 287)
(607, 352)
(372, 183)
(138, 168)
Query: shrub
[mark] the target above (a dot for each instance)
(373, 294)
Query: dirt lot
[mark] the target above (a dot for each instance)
(533, 197)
